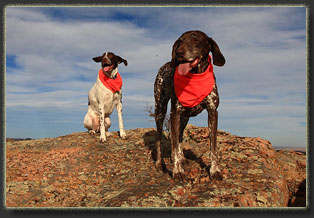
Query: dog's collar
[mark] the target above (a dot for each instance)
(191, 89)
(114, 84)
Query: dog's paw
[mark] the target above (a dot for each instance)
(122, 134)
(92, 132)
(216, 176)
(214, 172)
(102, 139)
(179, 176)
(158, 165)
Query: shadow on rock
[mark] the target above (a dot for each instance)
(150, 140)
(189, 154)
(299, 198)
(193, 164)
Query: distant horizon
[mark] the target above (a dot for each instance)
(295, 148)
(49, 67)
(301, 149)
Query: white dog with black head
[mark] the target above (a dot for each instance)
(104, 96)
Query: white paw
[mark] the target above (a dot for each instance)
(92, 132)
(122, 134)
(102, 138)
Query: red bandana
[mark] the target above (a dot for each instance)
(113, 84)
(192, 88)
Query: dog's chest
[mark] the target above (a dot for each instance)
(101, 95)
(210, 102)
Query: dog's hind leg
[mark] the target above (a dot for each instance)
(162, 97)
(91, 122)
(183, 122)
(160, 113)
(107, 126)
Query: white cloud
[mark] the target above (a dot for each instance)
(55, 99)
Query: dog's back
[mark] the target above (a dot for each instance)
(163, 83)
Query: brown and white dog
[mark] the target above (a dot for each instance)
(104, 96)
(190, 59)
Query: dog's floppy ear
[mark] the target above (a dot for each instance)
(218, 58)
(120, 60)
(173, 54)
(97, 59)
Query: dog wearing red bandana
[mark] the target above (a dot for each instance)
(189, 81)
(104, 96)
(192, 88)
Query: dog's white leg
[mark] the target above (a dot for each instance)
(91, 122)
(102, 124)
(88, 121)
(119, 112)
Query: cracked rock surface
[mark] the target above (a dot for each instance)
(77, 170)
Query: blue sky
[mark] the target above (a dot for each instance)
(49, 67)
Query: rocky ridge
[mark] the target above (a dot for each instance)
(77, 170)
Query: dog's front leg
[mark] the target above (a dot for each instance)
(176, 147)
(215, 172)
(119, 112)
(102, 124)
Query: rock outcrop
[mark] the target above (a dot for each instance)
(77, 170)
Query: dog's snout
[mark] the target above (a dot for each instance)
(180, 52)
(106, 61)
